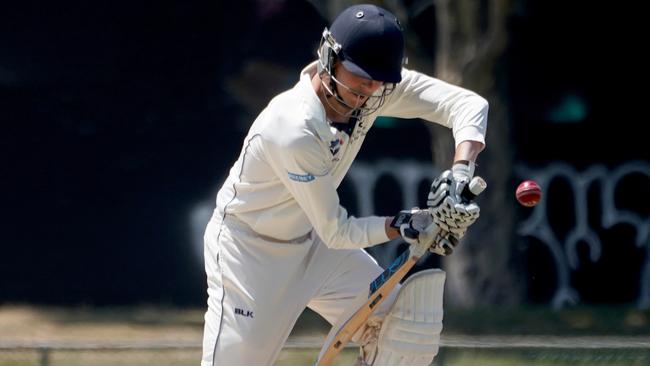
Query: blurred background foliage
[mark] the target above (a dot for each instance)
(122, 118)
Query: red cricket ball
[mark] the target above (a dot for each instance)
(528, 193)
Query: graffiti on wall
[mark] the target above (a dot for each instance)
(564, 250)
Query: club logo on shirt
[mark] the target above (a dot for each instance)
(335, 146)
(303, 178)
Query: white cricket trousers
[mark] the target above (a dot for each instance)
(258, 287)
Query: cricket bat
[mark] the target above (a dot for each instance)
(381, 286)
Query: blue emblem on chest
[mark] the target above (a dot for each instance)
(335, 146)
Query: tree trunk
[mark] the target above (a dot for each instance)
(483, 271)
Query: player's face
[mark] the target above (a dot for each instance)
(353, 89)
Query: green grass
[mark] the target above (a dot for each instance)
(542, 357)
(306, 357)
(580, 320)
(124, 324)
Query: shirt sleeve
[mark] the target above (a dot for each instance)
(302, 166)
(422, 96)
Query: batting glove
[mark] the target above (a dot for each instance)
(451, 209)
(417, 227)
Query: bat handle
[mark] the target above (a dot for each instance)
(474, 188)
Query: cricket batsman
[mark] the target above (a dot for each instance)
(279, 240)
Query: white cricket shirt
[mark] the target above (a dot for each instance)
(284, 183)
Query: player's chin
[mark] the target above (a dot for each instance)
(347, 107)
(343, 109)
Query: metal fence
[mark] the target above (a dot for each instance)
(89, 353)
(455, 350)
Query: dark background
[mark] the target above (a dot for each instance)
(117, 119)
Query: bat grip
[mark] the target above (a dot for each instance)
(473, 188)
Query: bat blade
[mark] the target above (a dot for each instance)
(379, 290)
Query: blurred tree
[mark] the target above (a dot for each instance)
(470, 37)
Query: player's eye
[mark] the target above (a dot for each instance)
(358, 94)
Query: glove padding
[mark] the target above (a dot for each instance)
(417, 227)
(451, 211)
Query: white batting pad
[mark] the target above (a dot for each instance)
(410, 333)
